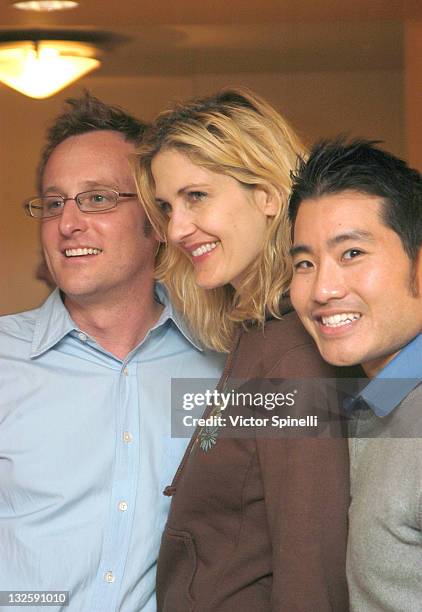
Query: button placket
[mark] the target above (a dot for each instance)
(127, 437)
(109, 577)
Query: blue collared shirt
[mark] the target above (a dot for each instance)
(396, 380)
(85, 453)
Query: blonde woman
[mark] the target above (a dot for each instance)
(255, 524)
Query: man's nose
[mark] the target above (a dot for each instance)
(329, 283)
(181, 224)
(72, 219)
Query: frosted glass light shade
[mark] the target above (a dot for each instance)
(45, 5)
(42, 69)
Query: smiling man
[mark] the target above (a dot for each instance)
(357, 286)
(85, 420)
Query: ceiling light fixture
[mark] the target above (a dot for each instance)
(39, 63)
(45, 5)
(40, 69)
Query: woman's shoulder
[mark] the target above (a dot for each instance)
(280, 349)
(289, 328)
(290, 351)
(287, 333)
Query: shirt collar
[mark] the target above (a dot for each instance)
(51, 325)
(395, 381)
(169, 313)
(54, 322)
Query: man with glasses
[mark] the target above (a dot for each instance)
(85, 437)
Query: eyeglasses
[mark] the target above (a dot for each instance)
(95, 201)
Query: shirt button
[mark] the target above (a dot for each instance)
(126, 371)
(122, 506)
(82, 337)
(109, 577)
(127, 437)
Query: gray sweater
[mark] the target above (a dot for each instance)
(384, 561)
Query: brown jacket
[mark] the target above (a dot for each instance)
(259, 524)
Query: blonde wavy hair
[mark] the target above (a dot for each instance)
(235, 133)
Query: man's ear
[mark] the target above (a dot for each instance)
(267, 201)
(416, 275)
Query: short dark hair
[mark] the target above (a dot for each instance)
(88, 114)
(338, 165)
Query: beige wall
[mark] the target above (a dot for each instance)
(362, 103)
(413, 92)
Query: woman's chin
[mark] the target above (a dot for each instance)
(207, 282)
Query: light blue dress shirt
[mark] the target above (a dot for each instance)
(85, 453)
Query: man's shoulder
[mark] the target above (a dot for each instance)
(19, 325)
(410, 400)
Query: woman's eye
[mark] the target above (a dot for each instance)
(196, 196)
(164, 207)
(352, 253)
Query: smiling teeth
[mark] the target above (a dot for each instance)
(204, 248)
(340, 319)
(79, 252)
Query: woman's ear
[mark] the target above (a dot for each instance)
(267, 201)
